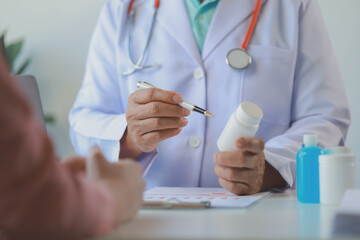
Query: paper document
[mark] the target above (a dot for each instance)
(217, 197)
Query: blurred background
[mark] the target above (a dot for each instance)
(57, 35)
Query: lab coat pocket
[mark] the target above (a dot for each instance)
(268, 82)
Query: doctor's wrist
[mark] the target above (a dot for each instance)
(272, 178)
(128, 148)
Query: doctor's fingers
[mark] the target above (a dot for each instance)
(253, 145)
(155, 95)
(160, 123)
(238, 159)
(157, 109)
(149, 141)
(237, 188)
(238, 174)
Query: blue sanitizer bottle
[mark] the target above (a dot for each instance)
(307, 170)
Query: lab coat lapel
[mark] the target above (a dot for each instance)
(228, 15)
(174, 18)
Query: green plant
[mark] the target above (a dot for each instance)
(11, 52)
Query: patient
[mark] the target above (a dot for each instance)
(41, 198)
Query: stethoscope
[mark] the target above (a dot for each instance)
(139, 63)
(237, 58)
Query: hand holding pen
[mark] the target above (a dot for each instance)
(183, 103)
(152, 115)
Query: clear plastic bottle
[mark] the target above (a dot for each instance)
(307, 170)
(244, 122)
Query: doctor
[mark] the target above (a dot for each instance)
(286, 65)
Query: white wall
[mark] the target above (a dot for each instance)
(342, 19)
(58, 34)
(57, 37)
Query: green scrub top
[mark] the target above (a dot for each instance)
(200, 18)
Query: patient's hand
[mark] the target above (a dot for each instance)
(75, 164)
(123, 179)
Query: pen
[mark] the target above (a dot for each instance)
(184, 104)
(176, 204)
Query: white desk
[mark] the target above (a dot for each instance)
(279, 216)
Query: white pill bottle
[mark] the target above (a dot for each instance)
(244, 122)
(337, 173)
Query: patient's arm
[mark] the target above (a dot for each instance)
(39, 197)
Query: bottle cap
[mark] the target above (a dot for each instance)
(249, 113)
(338, 159)
(337, 150)
(310, 140)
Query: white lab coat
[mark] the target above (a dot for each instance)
(294, 78)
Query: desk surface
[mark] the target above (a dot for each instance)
(279, 216)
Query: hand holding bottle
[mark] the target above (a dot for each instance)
(241, 172)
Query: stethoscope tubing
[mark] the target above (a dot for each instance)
(241, 59)
(252, 25)
(138, 65)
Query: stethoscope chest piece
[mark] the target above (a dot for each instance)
(238, 59)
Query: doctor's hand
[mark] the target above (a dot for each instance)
(153, 115)
(122, 179)
(245, 171)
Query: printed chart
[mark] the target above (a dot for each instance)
(217, 197)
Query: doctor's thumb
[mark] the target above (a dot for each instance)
(96, 163)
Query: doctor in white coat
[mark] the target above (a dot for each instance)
(293, 77)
